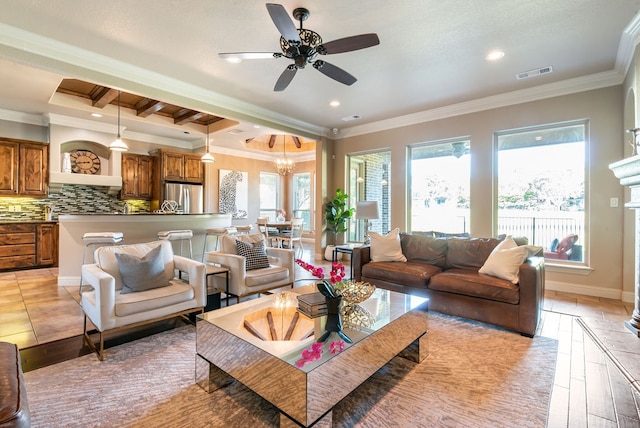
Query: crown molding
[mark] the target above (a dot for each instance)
(550, 90)
(20, 117)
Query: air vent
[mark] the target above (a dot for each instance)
(534, 73)
(352, 117)
(235, 131)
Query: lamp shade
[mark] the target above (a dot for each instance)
(367, 210)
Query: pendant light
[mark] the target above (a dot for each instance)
(118, 145)
(207, 157)
(284, 165)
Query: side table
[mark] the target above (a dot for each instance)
(345, 249)
(216, 270)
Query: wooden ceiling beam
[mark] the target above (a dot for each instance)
(147, 107)
(103, 97)
(186, 116)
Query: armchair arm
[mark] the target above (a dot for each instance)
(359, 257)
(101, 311)
(197, 276)
(236, 266)
(283, 257)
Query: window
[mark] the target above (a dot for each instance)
(269, 195)
(369, 180)
(439, 180)
(541, 187)
(302, 198)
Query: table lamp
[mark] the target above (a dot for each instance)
(367, 210)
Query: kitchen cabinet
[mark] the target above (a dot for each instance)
(179, 166)
(28, 245)
(137, 176)
(24, 168)
(46, 244)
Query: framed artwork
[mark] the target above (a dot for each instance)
(234, 193)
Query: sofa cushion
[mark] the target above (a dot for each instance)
(469, 253)
(425, 249)
(386, 248)
(254, 254)
(142, 273)
(176, 292)
(505, 260)
(228, 242)
(413, 274)
(472, 283)
(105, 257)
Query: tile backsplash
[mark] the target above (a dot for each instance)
(72, 199)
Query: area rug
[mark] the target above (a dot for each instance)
(476, 375)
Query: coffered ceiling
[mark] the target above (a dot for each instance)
(430, 62)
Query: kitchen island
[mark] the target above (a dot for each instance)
(135, 227)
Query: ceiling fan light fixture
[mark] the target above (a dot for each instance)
(118, 145)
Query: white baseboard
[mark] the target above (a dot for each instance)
(68, 280)
(587, 290)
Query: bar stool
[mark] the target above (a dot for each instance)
(92, 240)
(178, 235)
(217, 232)
(245, 229)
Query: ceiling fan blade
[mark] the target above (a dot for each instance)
(283, 23)
(336, 73)
(285, 78)
(230, 56)
(349, 44)
(297, 142)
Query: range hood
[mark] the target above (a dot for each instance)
(111, 184)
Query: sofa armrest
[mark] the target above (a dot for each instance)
(359, 257)
(101, 311)
(531, 294)
(197, 276)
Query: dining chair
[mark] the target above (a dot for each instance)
(286, 239)
(270, 235)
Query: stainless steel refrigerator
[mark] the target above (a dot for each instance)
(190, 197)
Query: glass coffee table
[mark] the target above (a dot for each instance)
(303, 378)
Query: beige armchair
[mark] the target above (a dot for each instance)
(280, 271)
(130, 289)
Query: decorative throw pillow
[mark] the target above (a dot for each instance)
(505, 260)
(254, 254)
(142, 273)
(386, 248)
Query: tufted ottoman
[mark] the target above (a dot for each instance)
(14, 409)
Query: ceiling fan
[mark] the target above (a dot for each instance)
(303, 46)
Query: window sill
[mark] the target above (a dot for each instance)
(570, 269)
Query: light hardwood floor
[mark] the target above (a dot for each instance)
(589, 391)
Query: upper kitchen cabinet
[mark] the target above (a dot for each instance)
(137, 176)
(183, 167)
(24, 168)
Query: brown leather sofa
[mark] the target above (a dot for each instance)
(14, 409)
(446, 271)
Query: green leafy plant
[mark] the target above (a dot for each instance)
(337, 213)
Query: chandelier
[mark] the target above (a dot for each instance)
(284, 165)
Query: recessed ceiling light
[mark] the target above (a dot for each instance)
(494, 55)
(334, 103)
(96, 115)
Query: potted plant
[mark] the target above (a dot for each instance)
(337, 214)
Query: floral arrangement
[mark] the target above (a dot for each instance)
(315, 352)
(281, 212)
(336, 276)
